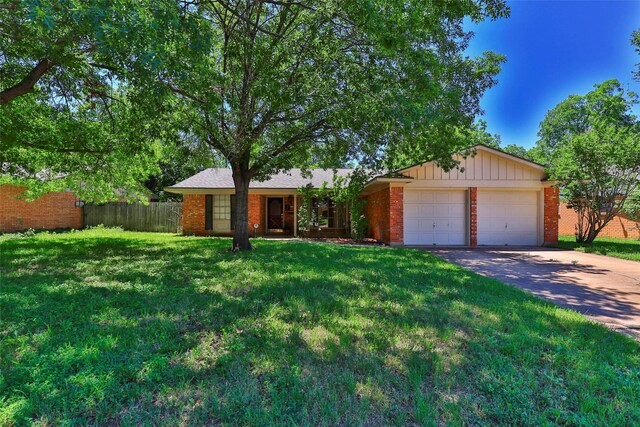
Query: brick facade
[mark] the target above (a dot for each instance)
(51, 211)
(619, 227)
(193, 212)
(396, 215)
(551, 203)
(377, 213)
(473, 216)
(193, 215)
(257, 214)
(384, 211)
(385, 215)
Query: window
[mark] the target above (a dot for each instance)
(324, 211)
(221, 207)
(218, 207)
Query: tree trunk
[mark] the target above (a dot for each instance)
(588, 227)
(241, 180)
(592, 234)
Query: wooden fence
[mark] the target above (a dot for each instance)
(156, 216)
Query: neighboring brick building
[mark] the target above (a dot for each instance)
(620, 226)
(494, 198)
(50, 211)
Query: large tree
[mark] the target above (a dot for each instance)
(275, 84)
(67, 120)
(592, 144)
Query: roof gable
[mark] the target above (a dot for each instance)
(483, 163)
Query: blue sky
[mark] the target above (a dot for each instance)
(554, 49)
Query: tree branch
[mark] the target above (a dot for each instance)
(27, 84)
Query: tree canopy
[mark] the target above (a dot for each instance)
(267, 85)
(272, 85)
(67, 120)
(592, 143)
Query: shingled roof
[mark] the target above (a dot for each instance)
(220, 178)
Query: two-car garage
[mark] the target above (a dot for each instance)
(492, 198)
(442, 217)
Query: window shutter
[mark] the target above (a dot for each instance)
(208, 212)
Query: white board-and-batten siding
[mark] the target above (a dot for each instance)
(485, 169)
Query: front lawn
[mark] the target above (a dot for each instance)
(619, 248)
(106, 327)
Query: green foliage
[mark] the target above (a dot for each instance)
(347, 190)
(632, 205)
(76, 122)
(180, 161)
(117, 328)
(518, 151)
(276, 85)
(344, 193)
(100, 152)
(593, 145)
(305, 220)
(478, 134)
(267, 85)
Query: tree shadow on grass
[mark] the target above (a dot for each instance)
(116, 330)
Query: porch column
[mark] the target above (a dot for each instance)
(473, 216)
(551, 207)
(396, 215)
(295, 215)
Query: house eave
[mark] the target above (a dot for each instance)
(228, 190)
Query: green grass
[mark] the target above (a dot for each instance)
(619, 248)
(106, 327)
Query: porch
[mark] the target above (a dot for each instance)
(272, 213)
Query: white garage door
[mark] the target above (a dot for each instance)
(435, 217)
(507, 218)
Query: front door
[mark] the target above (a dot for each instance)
(275, 210)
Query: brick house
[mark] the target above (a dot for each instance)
(50, 211)
(493, 198)
(620, 226)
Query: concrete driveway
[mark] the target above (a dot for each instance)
(605, 289)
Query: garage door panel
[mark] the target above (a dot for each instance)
(428, 211)
(458, 213)
(442, 196)
(435, 217)
(412, 211)
(411, 197)
(508, 217)
(427, 197)
(426, 225)
(441, 211)
(520, 210)
(412, 224)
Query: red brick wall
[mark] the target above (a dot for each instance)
(193, 210)
(619, 226)
(193, 214)
(50, 211)
(396, 215)
(377, 213)
(551, 203)
(257, 213)
(473, 216)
